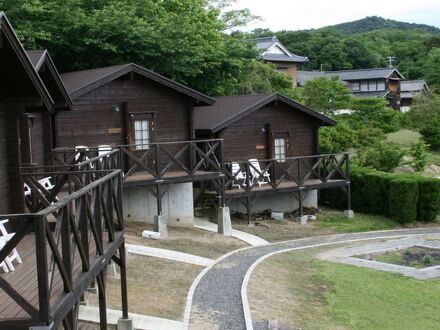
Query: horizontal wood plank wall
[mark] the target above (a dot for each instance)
(244, 139)
(41, 138)
(92, 116)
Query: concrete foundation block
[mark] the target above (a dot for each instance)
(272, 325)
(303, 219)
(349, 214)
(150, 234)
(125, 324)
(224, 221)
(160, 226)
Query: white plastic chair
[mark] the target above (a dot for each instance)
(45, 182)
(103, 149)
(3, 240)
(27, 190)
(238, 177)
(78, 150)
(257, 173)
(5, 263)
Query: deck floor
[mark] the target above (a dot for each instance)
(143, 177)
(24, 279)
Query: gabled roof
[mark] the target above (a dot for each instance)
(81, 82)
(229, 109)
(264, 45)
(41, 58)
(348, 75)
(6, 28)
(411, 88)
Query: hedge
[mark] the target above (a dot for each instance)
(403, 197)
(428, 206)
(370, 193)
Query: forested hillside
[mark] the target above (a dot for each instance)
(367, 43)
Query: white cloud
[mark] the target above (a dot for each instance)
(297, 15)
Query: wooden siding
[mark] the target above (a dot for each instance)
(92, 121)
(4, 178)
(246, 138)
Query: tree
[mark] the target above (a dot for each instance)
(326, 94)
(425, 115)
(181, 39)
(432, 68)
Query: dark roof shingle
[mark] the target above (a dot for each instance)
(228, 109)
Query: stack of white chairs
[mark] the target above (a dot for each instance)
(7, 265)
(46, 183)
(257, 173)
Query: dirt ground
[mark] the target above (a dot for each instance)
(189, 240)
(156, 287)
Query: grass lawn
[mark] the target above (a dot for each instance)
(189, 240)
(328, 222)
(311, 294)
(404, 137)
(156, 287)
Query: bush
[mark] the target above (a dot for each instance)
(428, 206)
(369, 136)
(419, 158)
(404, 194)
(336, 139)
(382, 156)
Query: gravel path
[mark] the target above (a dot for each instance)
(217, 301)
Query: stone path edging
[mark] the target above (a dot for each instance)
(216, 292)
(168, 254)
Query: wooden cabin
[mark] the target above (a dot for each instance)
(25, 104)
(150, 119)
(283, 136)
(65, 240)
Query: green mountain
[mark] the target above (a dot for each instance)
(372, 23)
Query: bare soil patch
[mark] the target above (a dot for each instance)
(188, 240)
(156, 287)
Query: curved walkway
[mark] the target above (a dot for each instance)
(215, 302)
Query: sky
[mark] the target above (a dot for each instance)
(307, 14)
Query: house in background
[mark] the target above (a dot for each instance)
(283, 136)
(377, 82)
(273, 51)
(409, 89)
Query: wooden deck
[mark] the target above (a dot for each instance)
(144, 177)
(24, 280)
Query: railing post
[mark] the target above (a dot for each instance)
(158, 174)
(274, 173)
(192, 157)
(298, 163)
(83, 228)
(66, 248)
(42, 271)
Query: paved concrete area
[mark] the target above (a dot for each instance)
(91, 314)
(346, 256)
(245, 237)
(169, 254)
(215, 301)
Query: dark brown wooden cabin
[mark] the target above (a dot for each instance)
(250, 124)
(147, 116)
(282, 135)
(24, 103)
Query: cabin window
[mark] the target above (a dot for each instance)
(280, 149)
(142, 134)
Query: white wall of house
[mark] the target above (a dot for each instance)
(140, 204)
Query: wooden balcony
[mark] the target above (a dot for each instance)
(66, 241)
(293, 174)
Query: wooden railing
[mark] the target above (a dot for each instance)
(159, 159)
(88, 230)
(293, 172)
(71, 171)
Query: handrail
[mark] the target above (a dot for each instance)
(289, 158)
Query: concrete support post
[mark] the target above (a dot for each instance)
(349, 214)
(160, 225)
(125, 324)
(224, 221)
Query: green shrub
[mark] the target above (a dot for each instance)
(381, 156)
(403, 199)
(369, 136)
(418, 154)
(428, 206)
(336, 139)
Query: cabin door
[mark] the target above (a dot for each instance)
(141, 133)
(281, 151)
